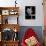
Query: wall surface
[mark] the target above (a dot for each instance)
(39, 13)
(22, 3)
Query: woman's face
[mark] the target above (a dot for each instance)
(31, 41)
(29, 11)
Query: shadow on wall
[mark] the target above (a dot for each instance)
(37, 29)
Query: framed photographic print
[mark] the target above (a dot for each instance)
(9, 34)
(6, 34)
(12, 20)
(30, 12)
(13, 12)
(5, 12)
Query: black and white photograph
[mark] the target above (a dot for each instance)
(30, 12)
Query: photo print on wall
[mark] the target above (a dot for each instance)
(30, 12)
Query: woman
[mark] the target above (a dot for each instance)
(30, 38)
